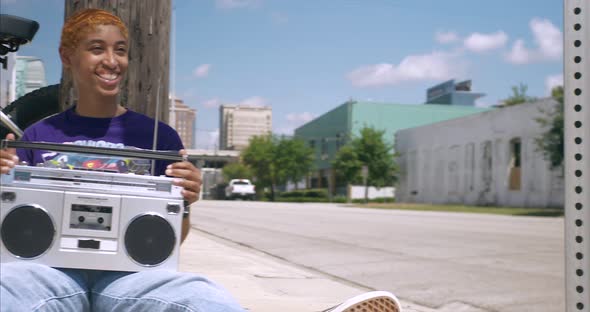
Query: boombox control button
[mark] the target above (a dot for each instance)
(88, 243)
(173, 208)
(100, 220)
(81, 219)
(8, 197)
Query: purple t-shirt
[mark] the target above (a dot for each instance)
(129, 130)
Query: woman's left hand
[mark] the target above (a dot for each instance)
(188, 177)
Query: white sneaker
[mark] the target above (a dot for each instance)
(374, 301)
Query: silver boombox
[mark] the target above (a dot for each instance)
(82, 219)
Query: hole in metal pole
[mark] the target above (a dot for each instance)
(577, 27)
(578, 140)
(578, 59)
(578, 124)
(579, 239)
(579, 206)
(578, 173)
(578, 108)
(580, 272)
(578, 157)
(579, 222)
(579, 256)
(578, 75)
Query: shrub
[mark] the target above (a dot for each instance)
(375, 200)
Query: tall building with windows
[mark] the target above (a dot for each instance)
(237, 124)
(183, 119)
(30, 75)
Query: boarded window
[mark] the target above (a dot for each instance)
(469, 167)
(514, 181)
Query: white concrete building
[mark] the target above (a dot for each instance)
(488, 158)
(30, 74)
(237, 124)
(8, 81)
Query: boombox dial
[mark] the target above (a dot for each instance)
(27, 231)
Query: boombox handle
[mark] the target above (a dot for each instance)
(71, 148)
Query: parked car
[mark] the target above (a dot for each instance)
(240, 188)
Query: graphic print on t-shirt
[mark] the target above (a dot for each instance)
(96, 162)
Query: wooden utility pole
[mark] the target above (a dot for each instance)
(148, 22)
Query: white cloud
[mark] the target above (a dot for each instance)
(214, 137)
(433, 66)
(548, 44)
(552, 82)
(300, 117)
(254, 101)
(251, 101)
(212, 103)
(293, 121)
(202, 70)
(445, 37)
(234, 4)
(478, 42)
(207, 139)
(519, 53)
(548, 38)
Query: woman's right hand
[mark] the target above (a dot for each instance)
(8, 158)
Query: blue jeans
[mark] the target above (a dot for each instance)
(33, 287)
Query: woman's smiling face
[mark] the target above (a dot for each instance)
(99, 62)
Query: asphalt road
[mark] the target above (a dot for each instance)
(447, 261)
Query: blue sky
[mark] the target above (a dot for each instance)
(303, 58)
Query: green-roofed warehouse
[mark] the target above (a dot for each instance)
(327, 133)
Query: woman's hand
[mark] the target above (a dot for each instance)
(8, 158)
(188, 177)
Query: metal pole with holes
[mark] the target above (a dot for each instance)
(577, 153)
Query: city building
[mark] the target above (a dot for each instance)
(30, 75)
(183, 119)
(237, 124)
(327, 133)
(490, 158)
(7, 81)
(451, 93)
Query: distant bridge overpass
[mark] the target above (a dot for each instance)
(213, 158)
(211, 162)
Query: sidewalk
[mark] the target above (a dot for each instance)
(262, 283)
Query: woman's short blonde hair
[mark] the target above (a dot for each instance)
(85, 21)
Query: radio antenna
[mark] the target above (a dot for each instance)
(155, 144)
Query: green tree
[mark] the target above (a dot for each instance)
(294, 160)
(259, 156)
(551, 142)
(518, 96)
(236, 171)
(368, 149)
(275, 161)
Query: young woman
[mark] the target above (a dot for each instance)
(94, 48)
